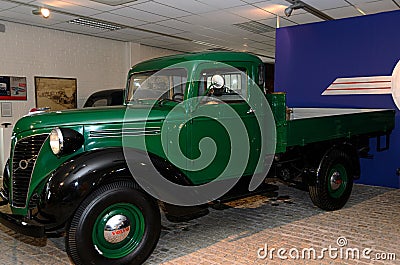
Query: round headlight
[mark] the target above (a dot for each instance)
(56, 141)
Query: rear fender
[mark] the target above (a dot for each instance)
(311, 174)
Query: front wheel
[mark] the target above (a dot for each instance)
(116, 224)
(334, 181)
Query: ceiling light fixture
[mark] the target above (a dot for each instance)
(44, 12)
(297, 4)
(359, 10)
(206, 44)
(254, 27)
(113, 2)
(95, 23)
(278, 22)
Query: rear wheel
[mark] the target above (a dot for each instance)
(334, 181)
(116, 224)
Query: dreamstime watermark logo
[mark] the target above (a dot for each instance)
(194, 130)
(340, 250)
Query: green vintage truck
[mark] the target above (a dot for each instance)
(194, 130)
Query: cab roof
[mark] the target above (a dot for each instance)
(165, 61)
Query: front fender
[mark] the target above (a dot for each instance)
(72, 182)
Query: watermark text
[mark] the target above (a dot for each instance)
(338, 251)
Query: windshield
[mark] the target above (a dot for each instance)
(152, 85)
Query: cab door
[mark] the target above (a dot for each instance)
(218, 143)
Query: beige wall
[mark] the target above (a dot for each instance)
(96, 63)
(140, 52)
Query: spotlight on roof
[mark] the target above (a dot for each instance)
(295, 5)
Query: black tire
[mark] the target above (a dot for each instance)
(334, 181)
(87, 242)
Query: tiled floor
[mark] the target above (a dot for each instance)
(247, 231)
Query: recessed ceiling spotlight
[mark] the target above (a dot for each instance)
(44, 12)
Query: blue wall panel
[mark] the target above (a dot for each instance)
(310, 57)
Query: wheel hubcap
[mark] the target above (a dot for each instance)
(336, 180)
(117, 229)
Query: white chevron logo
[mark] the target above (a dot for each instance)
(375, 85)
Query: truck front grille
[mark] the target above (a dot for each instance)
(25, 153)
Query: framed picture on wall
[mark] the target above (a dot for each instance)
(12, 88)
(55, 92)
(6, 109)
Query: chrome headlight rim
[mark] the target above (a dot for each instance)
(57, 144)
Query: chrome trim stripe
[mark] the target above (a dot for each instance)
(125, 132)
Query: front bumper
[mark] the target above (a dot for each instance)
(20, 224)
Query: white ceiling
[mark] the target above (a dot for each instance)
(187, 25)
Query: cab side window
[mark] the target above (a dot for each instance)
(234, 90)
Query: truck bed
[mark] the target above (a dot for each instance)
(310, 125)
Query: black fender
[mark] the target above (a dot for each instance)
(353, 154)
(352, 151)
(73, 181)
(312, 171)
(6, 180)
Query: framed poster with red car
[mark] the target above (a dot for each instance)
(13, 88)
